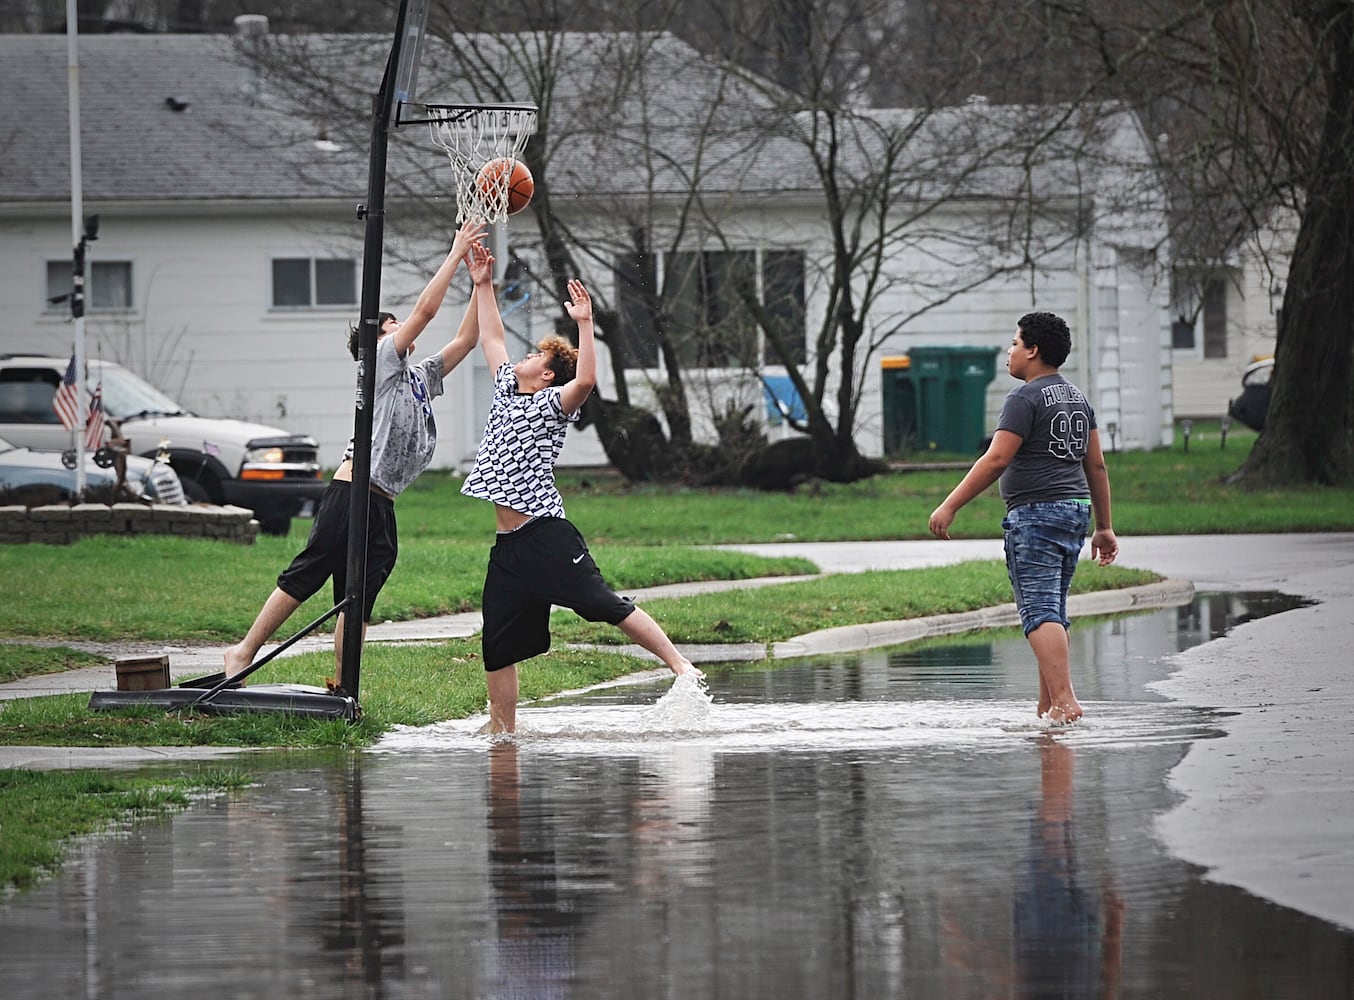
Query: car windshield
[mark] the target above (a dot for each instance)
(126, 395)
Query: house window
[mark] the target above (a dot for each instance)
(1182, 334)
(1204, 323)
(705, 307)
(1215, 319)
(637, 302)
(109, 288)
(314, 282)
(783, 293)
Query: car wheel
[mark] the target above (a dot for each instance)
(195, 491)
(273, 524)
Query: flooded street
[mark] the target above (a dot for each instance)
(889, 824)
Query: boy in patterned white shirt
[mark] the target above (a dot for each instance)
(539, 558)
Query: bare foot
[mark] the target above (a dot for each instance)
(501, 722)
(235, 661)
(494, 727)
(1063, 714)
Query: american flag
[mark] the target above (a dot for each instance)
(94, 426)
(66, 402)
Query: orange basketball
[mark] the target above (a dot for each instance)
(521, 185)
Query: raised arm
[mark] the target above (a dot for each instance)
(579, 307)
(467, 334)
(490, 321)
(430, 300)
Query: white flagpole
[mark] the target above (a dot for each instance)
(77, 232)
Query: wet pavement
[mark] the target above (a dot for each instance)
(1260, 811)
(890, 822)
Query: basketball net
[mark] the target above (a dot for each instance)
(471, 137)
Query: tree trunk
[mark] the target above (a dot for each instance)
(1309, 428)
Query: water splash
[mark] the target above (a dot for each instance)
(684, 709)
(687, 715)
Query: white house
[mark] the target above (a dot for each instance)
(229, 258)
(1235, 321)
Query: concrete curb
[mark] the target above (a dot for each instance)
(61, 758)
(193, 661)
(846, 638)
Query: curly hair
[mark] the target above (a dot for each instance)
(563, 357)
(382, 318)
(1049, 333)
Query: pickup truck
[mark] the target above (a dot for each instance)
(270, 471)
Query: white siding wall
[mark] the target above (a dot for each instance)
(1142, 362)
(202, 327)
(1205, 386)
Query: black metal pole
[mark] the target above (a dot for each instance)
(373, 214)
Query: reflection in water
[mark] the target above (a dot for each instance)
(1061, 947)
(366, 932)
(552, 863)
(1066, 940)
(841, 828)
(1211, 616)
(533, 953)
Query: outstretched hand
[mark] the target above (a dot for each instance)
(481, 264)
(579, 306)
(471, 232)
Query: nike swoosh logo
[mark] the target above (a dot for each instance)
(579, 558)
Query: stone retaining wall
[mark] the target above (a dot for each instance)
(61, 524)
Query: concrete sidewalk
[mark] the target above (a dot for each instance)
(1267, 807)
(831, 557)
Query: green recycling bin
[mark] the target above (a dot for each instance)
(900, 405)
(950, 383)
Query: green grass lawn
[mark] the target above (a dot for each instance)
(186, 590)
(195, 590)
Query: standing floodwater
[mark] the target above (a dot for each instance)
(893, 824)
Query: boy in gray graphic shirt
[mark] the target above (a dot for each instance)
(1046, 452)
(403, 436)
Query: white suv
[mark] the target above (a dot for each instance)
(270, 471)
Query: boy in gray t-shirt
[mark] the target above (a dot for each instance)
(1046, 452)
(404, 434)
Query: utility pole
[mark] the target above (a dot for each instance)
(81, 236)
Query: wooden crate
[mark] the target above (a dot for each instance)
(143, 673)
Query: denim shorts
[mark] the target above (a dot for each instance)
(1043, 544)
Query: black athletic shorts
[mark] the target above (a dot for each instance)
(543, 564)
(326, 551)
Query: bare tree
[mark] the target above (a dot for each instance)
(674, 153)
(949, 177)
(1256, 99)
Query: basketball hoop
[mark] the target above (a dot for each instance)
(472, 135)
